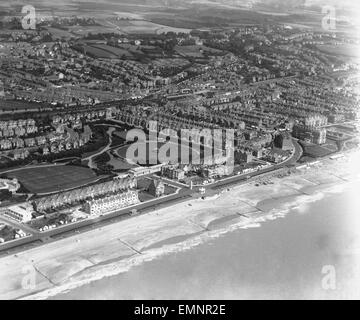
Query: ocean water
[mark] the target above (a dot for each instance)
(311, 253)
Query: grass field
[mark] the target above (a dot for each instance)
(316, 151)
(141, 25)
(97, 53)
(113, 50)
(54, 178)
(105, 51)
(59, 33)
(84, 30)
(196, 51)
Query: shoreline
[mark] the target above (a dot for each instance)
(113, 249)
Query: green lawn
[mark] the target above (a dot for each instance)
(54, 178)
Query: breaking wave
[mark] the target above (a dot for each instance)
(94, 273)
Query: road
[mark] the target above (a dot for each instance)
(32, 167)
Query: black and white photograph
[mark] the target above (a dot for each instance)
(179, 150)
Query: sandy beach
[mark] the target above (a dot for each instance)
(68, 263)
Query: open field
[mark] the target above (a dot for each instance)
(84, 30)
(119, 163)
(59, 33)
(97, 52)
(159, 17)
(315, 151)
(141, 25)
(104, 51)
(119, 52)
(143, 157)
(196, 51)
(53, 178)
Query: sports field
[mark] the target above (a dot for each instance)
(196, 51)
(316, 151)
(53, 178)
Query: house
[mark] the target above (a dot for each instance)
(45, 150)
(5, 144)
(29, 142)
(21, 212)
(20, 154)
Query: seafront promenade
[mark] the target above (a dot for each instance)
(114, 248)
(38, 238)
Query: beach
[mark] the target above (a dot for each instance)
(282, 259)
(70, 263)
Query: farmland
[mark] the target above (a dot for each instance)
(118, 52)
(84, 30)
(104, 51)
(141, 25)
(53, 178)
(196, 51)
(60, 33)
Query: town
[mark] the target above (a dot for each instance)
(70, 99)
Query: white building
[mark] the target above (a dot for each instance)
(141, 171)
(112, 203)
(21, 212)
(10, 184)
(217, 171)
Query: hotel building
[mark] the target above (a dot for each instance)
(112, 203)
(22, 212)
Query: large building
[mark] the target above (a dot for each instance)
(142, 171)
(216, 171)
(86, 193)
(315, 121)
(21, 212)
(315, 135)
(283, 141)
(173, 172)
(311, 129)
(319, 136)
(112, 203)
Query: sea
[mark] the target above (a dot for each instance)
(313, 252)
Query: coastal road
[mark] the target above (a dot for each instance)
(86, 225)
(243, 177)
(183, 195)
